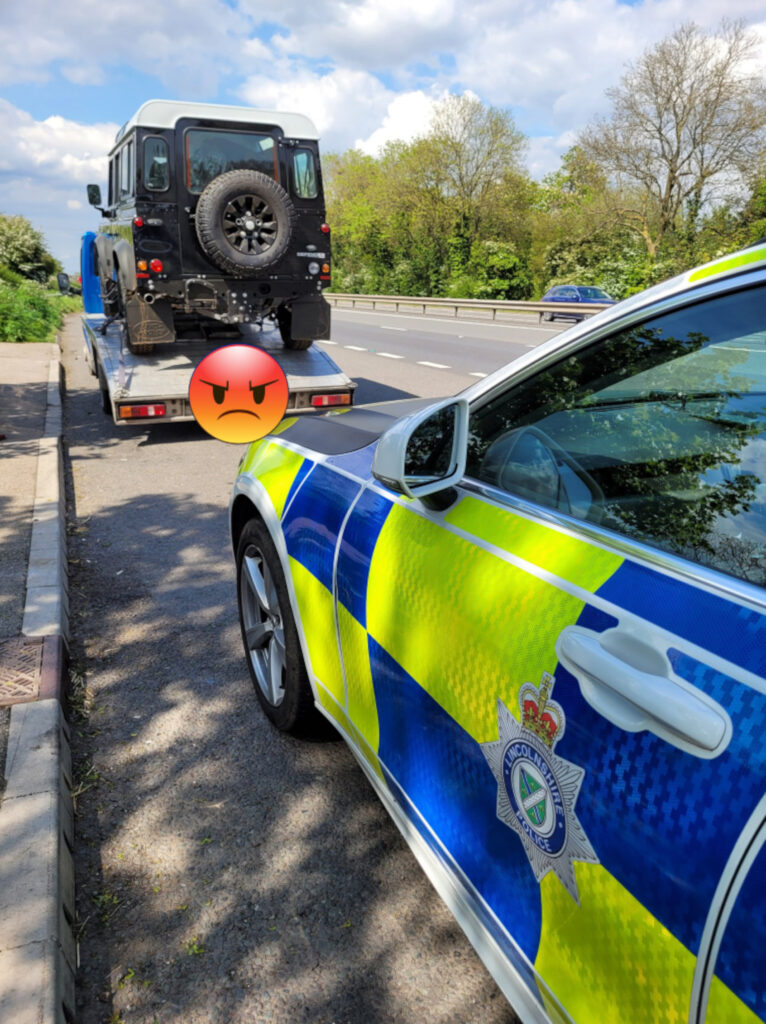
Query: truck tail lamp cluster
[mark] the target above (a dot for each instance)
(135, 412)
(156, 266)
(320, 401)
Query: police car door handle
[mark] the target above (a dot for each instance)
(637, 700)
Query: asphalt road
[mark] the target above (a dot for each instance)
(227, 873)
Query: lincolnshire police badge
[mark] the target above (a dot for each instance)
(536, 789)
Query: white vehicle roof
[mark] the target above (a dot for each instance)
(166, 114)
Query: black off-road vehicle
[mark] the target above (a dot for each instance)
(215, 213)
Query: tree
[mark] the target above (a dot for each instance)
(23, 251)
(688, 118)
(407, 222)
(479, 151)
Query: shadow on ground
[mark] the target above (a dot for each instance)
(226, 874)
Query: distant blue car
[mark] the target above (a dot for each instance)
(575, 293)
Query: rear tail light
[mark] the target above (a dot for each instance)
(319, 401)
(134, 412)
(325, 229)
(156, 266)
(142, 265)
(138, 221)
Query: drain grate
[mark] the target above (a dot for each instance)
(21, 660)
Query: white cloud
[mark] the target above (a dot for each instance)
(54, 148)
(367, 34)
(189, 45)
(545, 152)
(408, 116)
(342, 104)
(43, 166)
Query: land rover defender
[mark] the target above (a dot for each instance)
(214, 213)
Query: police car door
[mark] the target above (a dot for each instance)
(569, 664)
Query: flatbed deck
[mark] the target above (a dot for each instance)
(161, 378)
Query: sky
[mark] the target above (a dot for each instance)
(365, 71)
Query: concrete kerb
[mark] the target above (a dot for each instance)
(38, 954)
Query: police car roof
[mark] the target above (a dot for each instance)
(167, 113)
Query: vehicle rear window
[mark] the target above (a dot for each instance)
(593, 293)
(210, 152)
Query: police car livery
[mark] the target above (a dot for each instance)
(537, 614)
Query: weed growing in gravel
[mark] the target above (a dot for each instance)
(108, 903)
(193, 947)
(80, 697)
(85, 778)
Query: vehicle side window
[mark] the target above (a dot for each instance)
(114, 179)
(126, 170)
(304, 174)
(657, 432)
(156, 167)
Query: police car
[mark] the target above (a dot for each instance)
(537, 614)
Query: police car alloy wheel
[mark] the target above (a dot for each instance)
(272, 648)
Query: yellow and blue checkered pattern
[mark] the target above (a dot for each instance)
(434, 629)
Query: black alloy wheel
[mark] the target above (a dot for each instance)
(244, 222)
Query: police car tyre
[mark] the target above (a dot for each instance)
(272, 647)
(244, 222)
(285, 322)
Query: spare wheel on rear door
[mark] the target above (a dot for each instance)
(244, 222)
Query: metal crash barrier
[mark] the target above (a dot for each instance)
(493, 307)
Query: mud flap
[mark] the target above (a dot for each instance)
(149, 325)
(310, 318)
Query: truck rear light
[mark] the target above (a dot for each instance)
(134, 412)
(325, 229)
(138, 221)
(325, 268)
(319, 401)
(142, 275)
(156, 266)
(324, 277)
(142, 265)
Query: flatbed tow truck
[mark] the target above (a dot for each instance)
(154, 386)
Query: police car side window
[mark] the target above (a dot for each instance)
(657, 432)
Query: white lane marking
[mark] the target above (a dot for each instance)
(478, 375)
(324, 341)
(502, 324)
(356, 348)
(388, 355)
(385, 327)
(436, 366)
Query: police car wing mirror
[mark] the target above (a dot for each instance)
(94, 195)
(426, 452)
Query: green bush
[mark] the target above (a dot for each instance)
(9, 276)
(29, 313)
